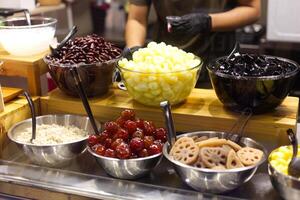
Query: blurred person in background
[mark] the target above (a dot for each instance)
(203, 27)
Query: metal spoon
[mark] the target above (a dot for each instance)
(33, 116)
(54, 51)
(169, 122)
(27, 16)
(294, 166)
(84, 98)
(235, 50)
(239, 126)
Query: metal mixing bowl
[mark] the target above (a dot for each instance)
(288, 187)
(215, 181)
(52, 155)
(127, 168)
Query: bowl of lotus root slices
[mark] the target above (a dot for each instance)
(209, 161)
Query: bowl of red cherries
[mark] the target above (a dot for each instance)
(128, 147)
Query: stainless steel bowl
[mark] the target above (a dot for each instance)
(127, 168)
(288, 187)
(52, 155)
(215, 181)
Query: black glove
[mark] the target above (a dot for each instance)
(127, 52)
(191, 24)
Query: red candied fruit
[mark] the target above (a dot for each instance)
(92, 140)
(154, 149)
(108, 142)
(136, 144)
(110, 153)
(148, 140)
(111, 127)
(120, 121)
(116, 143)
(123, 151)
(138, 133)
(128, 114)
(143, 153)
(130, 126)
(159, 143)
(133, 155)
(149, 128)
(161, 134)
(99, 149)
(140, 123)
(122, 133)
(103, 136)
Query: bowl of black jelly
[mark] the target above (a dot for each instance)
(258, 82)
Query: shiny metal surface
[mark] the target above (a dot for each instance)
(127, 168)
(215, 181)
(52, 155)
(288, 187)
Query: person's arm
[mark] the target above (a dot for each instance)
(247, 12)
(136, 26)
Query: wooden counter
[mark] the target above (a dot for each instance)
(201, 111)
(29, 67)
(14, 112)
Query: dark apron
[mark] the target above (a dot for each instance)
(207, 46)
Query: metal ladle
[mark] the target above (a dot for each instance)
(234, 50)
(169, 122)
(54, 51)
(294, 165)
(33, 116)
(84, 98)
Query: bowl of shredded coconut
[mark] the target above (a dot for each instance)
(59, 138)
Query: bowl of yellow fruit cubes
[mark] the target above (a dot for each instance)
(160, 72)
(287, 186)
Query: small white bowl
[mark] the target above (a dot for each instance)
(20, 39)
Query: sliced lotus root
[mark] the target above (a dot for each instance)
(227, 148)
(234, 145)
(213, 156)
(185, 150)
(233, 160)
(211, 142)
(199, 138)
(220, 167)
(199, 163)
(250, 156)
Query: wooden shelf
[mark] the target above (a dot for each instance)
(201, 111)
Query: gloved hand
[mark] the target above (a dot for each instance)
(190, 24)
(127, 52)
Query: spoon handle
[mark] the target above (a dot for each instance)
(72, 32)
(293, 140)
(33, 114)
(169, 122)
(235, 49)
(84, 98)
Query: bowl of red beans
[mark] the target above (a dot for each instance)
(128, 147)
(94, 59)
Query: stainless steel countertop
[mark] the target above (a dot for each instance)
(86, 178)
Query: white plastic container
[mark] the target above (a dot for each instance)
(24, 4)
(283, 21)
(20, 39)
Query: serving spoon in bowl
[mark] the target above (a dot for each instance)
(54, 51)
(294, 165)
(84, 98)
(33, 116)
